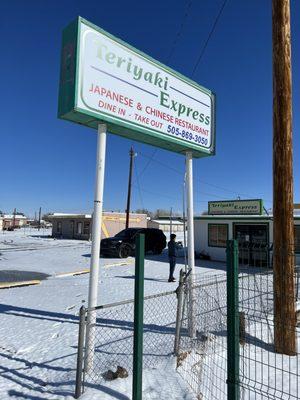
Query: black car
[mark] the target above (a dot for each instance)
(123, 244)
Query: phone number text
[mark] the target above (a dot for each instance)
(187, 135)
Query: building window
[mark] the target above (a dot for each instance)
(79, 228)
(297, 238)
(86, 228)
(59, 226)
(217, 235)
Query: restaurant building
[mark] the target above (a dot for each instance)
(245, 221)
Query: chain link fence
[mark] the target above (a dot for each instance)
(204, 342)
(262, 371)
(113, 339)
(267, 372)
(202, 358)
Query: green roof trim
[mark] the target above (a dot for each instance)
(238, 217)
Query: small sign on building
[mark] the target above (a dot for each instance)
(236, 207)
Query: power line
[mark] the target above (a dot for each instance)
(175, 42)
(157, 194)
(152, 159)
(179, 33)
(138, 185)
(148, 163)
(209, 36)
(229, 190)
(164, 195)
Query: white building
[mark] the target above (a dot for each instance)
(245, 221)
(254, 232)
(165, 225)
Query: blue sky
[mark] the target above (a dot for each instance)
(51, 163)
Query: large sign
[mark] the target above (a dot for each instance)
(104, 79)
(236, 207)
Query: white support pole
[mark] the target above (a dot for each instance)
(190, 234)
(95, 251)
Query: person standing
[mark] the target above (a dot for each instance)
(172, 253)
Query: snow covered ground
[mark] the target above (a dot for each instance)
(39, 324)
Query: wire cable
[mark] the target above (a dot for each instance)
(138, 185)
(209, 37)
(148, 163)
(175, 42)
(152, 159)
(179, 33)
(164, 195)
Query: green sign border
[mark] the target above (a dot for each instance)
(68, 96)
(261, 205)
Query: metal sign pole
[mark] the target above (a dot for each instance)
(184, 223)
(190, 231)
(137, 376)
(95, 251)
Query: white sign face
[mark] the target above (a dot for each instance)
(129, 89)
(235, 207)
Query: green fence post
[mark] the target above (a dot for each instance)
(233, 389)
(138, 318)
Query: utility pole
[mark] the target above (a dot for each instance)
(283, 231)
(131, 154)
(171, 221)
(40, 214)
(14, 218)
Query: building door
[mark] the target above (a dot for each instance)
(253, 244)
(72, 229)
(79, 228)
